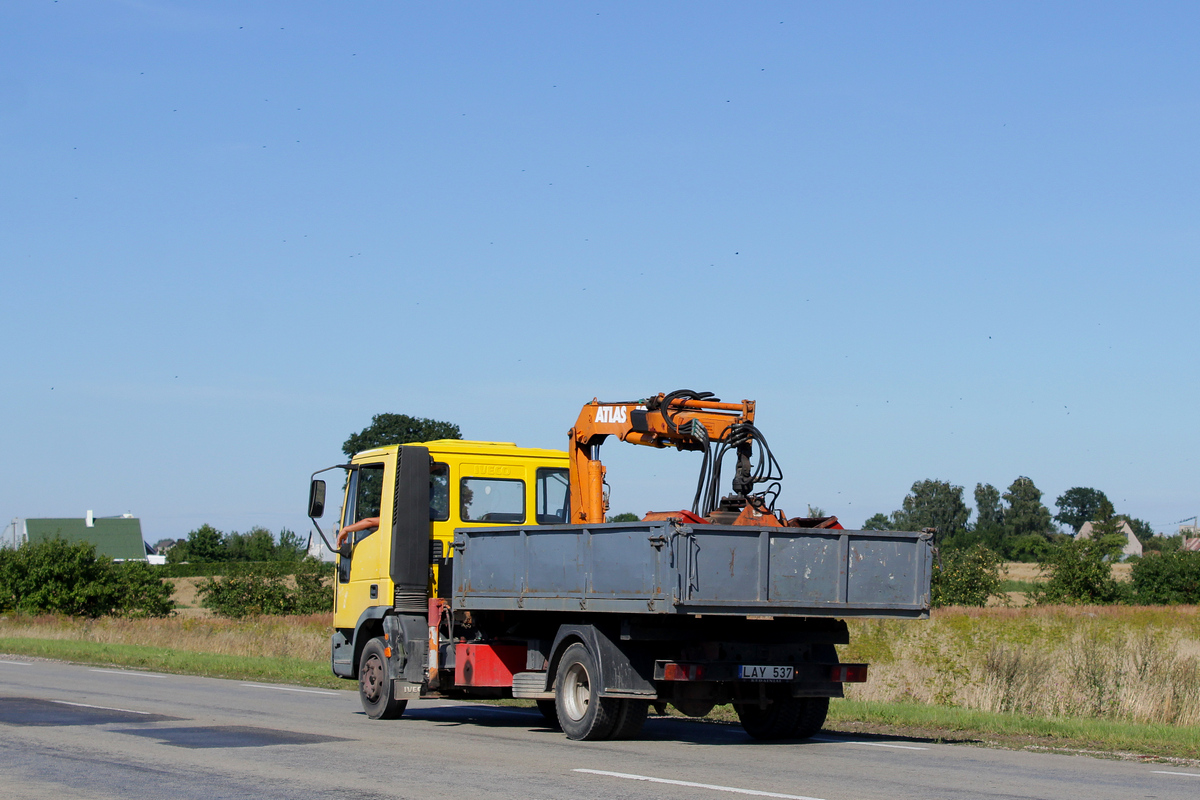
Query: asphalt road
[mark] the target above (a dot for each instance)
(71, 731)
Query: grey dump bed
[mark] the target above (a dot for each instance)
(666, 568)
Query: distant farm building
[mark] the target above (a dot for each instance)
(116, 537)
(1132, 546)
(1191, 537)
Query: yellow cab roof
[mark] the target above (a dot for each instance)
(466, 447)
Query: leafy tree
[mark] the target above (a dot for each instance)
(878, 522)
(1106, 523)
(988, 513)
(246, 591)
(1162, 544)
(292, 546)
(816, 512)
(141, 592)
(966, 577)
(933, 504)
(1029, 547)
(388, 429)
(988, 529)
(1078, 505)
(624, 517)
(256, 544)
(1167, 578)
(1025, 513)
(1080, 572)
(59, 577)
(304, 587)
(206, 543)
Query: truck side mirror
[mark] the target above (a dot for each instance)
(316, 498)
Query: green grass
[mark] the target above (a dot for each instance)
(182, 662)
(1072, 733)
(1020, 586)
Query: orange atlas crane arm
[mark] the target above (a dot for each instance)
(686, 420)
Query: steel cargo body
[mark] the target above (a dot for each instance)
(671, 568)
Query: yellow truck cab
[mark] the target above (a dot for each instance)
(420, 493)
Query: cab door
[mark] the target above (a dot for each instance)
(362, 579)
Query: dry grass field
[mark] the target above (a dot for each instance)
(187, 602)
(1137, 664)
(304, 637)
(1020, 571)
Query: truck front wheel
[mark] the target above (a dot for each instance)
(376, 691)
(582, 712)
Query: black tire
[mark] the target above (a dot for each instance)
(777, 721)
(376, 691)
(549, 712)
(582, 713)
(630, 718)
(813, 711)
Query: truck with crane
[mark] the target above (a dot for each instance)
(484, 570)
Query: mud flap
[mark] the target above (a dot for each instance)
(624, 672)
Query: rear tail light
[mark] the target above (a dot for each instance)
(683, 672)
(848, 673)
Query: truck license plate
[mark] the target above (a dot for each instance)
(754, 672)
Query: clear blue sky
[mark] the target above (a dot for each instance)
(932, 240)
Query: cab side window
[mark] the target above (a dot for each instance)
(439, 493)
(368, 493)
(499, 500)
(364, 497)
(553, 496)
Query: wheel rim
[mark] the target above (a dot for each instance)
(371, 679)
(577, 691)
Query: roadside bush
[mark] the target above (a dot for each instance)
(1080, 572)
(59, 577)
(1167, 578)
(965, 577)
(304, 587)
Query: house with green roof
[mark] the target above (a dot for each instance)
(116, 537)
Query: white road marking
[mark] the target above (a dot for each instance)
(18, 663)
(105, 708)
(128, 672)
(694, 785)
(868, 744)
(287, 689)
(1188, 774)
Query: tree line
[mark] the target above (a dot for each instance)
(1015, 524)
(206, 544)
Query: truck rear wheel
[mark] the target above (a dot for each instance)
(582, 712)
(813, 711)
(376, 691)
(630, 718)
(777, 721)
